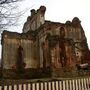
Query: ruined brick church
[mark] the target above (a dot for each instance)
(44, 47)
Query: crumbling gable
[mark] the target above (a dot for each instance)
(36, 19)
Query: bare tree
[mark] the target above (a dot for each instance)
(8, 13)
(8, 1)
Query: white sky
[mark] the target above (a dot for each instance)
(60, 11)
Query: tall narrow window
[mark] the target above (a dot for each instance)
(62, 32)
(20, 62)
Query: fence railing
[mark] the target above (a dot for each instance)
(55, 84)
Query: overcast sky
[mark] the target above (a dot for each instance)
(59, 11)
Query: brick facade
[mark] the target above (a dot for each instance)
(45, 45)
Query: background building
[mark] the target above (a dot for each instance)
(44, 48)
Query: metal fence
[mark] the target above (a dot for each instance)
(59, 84)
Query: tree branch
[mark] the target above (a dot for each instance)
(8, 1)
